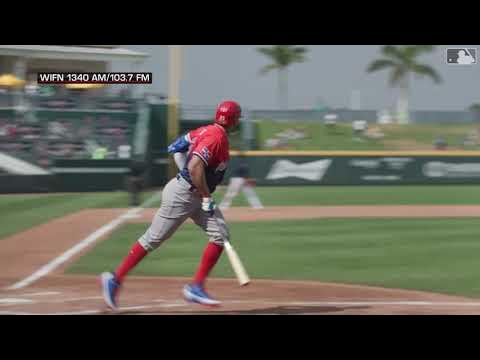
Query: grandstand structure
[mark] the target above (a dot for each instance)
(41, 124)
(25, 61)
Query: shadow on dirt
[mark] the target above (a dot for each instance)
(278, 310)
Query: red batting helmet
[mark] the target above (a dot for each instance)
(228, 114)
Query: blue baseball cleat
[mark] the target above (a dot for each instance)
(109, 289)
(197, 294)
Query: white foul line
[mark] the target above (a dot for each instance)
(76, 299)
(15, 301)
(44, 293)
(52, 265)
(459, 304)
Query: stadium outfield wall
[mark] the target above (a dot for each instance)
(279, 169)
(145, 129)
(272, 168)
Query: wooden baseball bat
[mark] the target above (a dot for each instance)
(236, 263)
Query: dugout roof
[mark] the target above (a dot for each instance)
(80, 52)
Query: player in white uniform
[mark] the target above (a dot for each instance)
(240, 181)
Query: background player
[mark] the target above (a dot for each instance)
(203, 155)
(241, 181)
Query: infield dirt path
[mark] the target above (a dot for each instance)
(25, 252)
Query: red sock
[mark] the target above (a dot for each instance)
(136, 254)
(210, 257)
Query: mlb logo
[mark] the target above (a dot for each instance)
(461, 56)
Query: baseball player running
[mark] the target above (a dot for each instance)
(202, 155)
(241, 181)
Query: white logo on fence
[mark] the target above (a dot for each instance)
(365, 163)
(449, 170)
(397, 163)
(313, 171)
(381, 177)
(391, 162)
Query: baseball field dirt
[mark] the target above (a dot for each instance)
(56, 293)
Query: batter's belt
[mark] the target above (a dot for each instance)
(184, 182)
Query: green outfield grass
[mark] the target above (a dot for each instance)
(362, 195)
(422, 254)
(20, 212)
(319, 136)
(396, 137)
(425, 135)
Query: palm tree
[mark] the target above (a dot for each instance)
(402, 61)
(475, 110)
(282, 56)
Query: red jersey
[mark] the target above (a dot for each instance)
(210, 143)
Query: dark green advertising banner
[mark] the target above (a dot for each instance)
(361, 170)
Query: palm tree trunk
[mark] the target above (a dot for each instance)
(403, 108)
(282, 89)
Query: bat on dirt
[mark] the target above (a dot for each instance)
(236, 263)
(233, 257)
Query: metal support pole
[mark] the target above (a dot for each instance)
(174, 77)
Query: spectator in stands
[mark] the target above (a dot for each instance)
(85, 130)
(12, 131)
(46, 90)
(125, 92)
(31, 88)
(100, 153)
